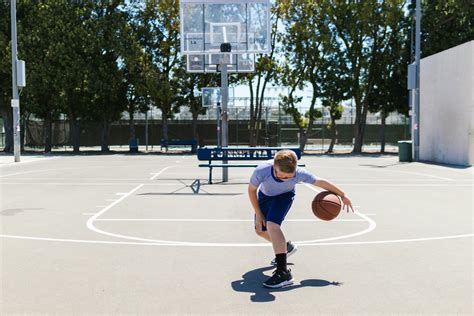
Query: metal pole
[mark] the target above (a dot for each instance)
(225, 98)
(218, 114)
(416, 117)
(266, 126)
(237, 127)
(15, 95)
(151, 125)
(279, 124)
(322, 129)
(146, 130)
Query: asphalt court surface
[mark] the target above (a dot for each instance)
(124, 234)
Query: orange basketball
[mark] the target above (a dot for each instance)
(326, 205)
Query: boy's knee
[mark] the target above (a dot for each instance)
(271, 226)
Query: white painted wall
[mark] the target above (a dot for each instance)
(447, 106)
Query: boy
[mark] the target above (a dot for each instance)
(271, 191)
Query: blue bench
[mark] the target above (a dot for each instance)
(211, 154)
(178, 142)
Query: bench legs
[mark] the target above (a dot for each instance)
(210, 175)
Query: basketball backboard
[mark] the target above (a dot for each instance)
(212, 95)
(197, 63)
(206, 24)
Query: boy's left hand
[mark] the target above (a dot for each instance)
(347, 203)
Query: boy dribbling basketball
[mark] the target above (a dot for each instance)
(271, 191)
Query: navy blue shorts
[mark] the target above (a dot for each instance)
(275, 208)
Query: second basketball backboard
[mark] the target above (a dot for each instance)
(242, 24)
(211, 97)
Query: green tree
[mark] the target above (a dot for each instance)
(266, 69)
(158, 29)
(75, 60)
(42, 50)
(134, 60)
(308, 43)
(445, 24)
(362, 28)
(289, 103)
(108, 85)
(389, 93)
(189, 83)
(334, 89)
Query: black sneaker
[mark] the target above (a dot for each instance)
(279, 279)
(291, 248)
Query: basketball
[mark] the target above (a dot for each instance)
(326, 205)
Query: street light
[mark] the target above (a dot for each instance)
(18, 81)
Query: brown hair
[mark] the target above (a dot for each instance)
(286, 160)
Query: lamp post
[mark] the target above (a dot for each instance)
(416, 118)
(15, 102)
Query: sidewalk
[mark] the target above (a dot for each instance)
(9, 159)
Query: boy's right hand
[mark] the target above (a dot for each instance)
(259, 222)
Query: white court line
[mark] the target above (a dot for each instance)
(88, 183)
(390, 170)
(232, 245)
(90, 225)
(35, 171)
(171, 184)
(90, 221)
(391, 180)
(409, 185)
(45, 170)
(212, 220)
(160, 172)
(35, 159)
(84, 178)
(124, 196)
(446, 167)
(424, 174)
(374, 242)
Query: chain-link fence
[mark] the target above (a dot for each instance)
(270, 133)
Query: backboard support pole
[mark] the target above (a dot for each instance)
(224, 113)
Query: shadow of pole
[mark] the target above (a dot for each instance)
(252, 283)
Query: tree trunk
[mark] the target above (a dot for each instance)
(75, 129)
(8, 126)
(47, 133)
(361, 118)
(23, 124)
(195, 132)
(259, 122)
(104, 139)
(333, 135)
(357, 143)
(132, 125)
(382, 133)
(164, 120)
(302, 139)
(253, 135)
(253, 119)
